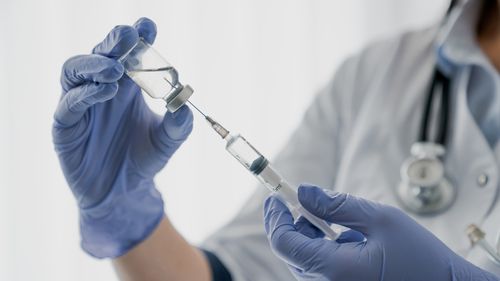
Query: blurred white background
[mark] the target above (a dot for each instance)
(254, 65)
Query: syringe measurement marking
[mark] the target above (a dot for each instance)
(277, 188)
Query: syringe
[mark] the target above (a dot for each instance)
(258, 165)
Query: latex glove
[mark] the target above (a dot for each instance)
(111, 145)
(397, 247)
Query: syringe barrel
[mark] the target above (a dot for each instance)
(256, 163)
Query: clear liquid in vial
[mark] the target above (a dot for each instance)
(159, 83)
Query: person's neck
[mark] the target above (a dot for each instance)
(488, 31)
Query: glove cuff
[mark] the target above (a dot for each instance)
(120, 222)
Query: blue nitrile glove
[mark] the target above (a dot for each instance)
(397, 247)
(111, 145)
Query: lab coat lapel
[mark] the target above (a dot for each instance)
(491, 226)
(468, 157)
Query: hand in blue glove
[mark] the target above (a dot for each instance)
(396, 247)
(111, 145)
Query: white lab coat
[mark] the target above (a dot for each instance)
(355, 136)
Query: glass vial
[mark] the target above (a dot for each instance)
(158, 78)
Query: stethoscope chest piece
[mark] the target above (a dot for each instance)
(424, 188)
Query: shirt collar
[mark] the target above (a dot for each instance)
(456, 44)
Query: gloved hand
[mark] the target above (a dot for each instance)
(396, 247)
(111, 145)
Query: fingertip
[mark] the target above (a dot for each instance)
(307, 191)
(318, 202)
(124, 34)
(304, 189)
(278, 218)
(306, 186)
(119, 68)
(271, 202)
(272, 213)
(90, 68)
(106, 70)
(267, 202)
(119, 41)
(183, 115)
(113, 73)
(350, 236)
(146, 29)
(76, 101)
(274, 207)
(178, 125)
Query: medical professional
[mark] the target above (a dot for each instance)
(365, 134)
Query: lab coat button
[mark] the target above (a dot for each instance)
(482, 180)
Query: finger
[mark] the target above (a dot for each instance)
(174, 130)
(146, 29)
(305, 227)
(75, 103)
(295, 248)
(118, 41)
(89, 68)
(349, 236)
(343, 209)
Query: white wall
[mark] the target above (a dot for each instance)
(4, 144)
(254, 64)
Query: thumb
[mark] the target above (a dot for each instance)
(174, 130)
(341, 208)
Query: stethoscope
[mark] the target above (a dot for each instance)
(424, 188)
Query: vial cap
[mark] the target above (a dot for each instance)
(177, 100)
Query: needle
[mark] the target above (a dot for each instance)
(197, 109)
(223, 132)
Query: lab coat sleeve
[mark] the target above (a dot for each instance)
(311, 155)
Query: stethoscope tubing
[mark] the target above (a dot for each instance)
(440, 83)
